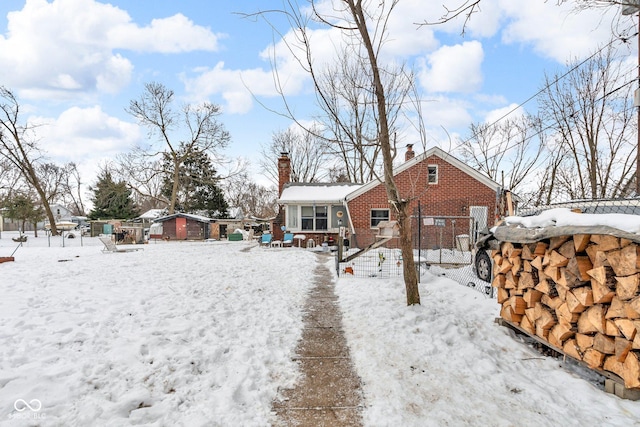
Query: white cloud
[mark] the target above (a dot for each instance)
(68, 45)
(557, 32)
(454, 69)
(83, 134)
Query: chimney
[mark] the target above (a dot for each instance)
(284, 171)
(410, 154)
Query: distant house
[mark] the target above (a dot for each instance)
(182, 226)
(454, 199)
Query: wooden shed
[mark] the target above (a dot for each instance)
(182, 226)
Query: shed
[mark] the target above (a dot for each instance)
(183, 226)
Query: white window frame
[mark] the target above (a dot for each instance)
(429, 181)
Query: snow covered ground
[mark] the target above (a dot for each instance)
(202, 334)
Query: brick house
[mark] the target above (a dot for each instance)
(455, 200)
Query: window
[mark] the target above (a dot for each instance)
(314, 217)
(378, 215)
(292, 216)
(433, 174)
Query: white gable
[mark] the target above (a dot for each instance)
(318, 193)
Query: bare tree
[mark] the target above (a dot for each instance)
(591, 113)
(72, 189)
(19, 148)
(308, 154)
(512, 148)
(143, 174)
(197, 126)
(364, 27)
(250, 198)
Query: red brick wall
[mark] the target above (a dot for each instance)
(451, 196)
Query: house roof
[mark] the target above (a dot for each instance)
(315, 192)
(435, 151)
(198, 218)
(152, 214)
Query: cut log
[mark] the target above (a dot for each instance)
(532, 296)
(502, 295)
(612, 365)
(499, 281)
(611, 329)
(511, 281)
(627, 328)
(561, 332)
(604, 344)
(528, 325)
(506, 248)
(584, 295)
(543, 286)
(557, 241)
(631, 373)
(623, 261)
(627, 287)
(593, 358)
(601, 291)
(552, 272)
(518, 304)
(565, 315)
(580, 242)
(623, 347)
(537, 263)
(571, 348)
(544, 318)
(592, 320)
(541, 248)
(567, 250)
(573, 303)
(527, 252)
(503, 267)
(525, 281)
(557, 260)
(530, 313)
(605, 242)
(617, 309)
(598, 258)
(551, 302)
(526, 266)
(584, 341)
(632, 309)
(579, 266)
(507, 313)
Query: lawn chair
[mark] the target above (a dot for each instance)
(265, 240)
(111, 247)
(287, 240)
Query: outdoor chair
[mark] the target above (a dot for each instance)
(287, 240)
(265, 240)
(111, 247)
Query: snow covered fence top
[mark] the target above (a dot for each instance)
(563, 222)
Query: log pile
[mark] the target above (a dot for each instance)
(580, 293)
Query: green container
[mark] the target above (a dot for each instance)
(235, 237)
(107, 228)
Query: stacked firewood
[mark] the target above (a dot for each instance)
(580, 293)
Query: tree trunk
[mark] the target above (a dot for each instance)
(409, 266)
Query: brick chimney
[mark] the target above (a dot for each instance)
(410, 154)
(284, 171)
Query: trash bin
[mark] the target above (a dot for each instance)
(462, 242)
(325, 247)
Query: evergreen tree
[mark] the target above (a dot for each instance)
(22, 208)
(111, 199)
(198, 190)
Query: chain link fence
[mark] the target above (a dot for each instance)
(444, 245)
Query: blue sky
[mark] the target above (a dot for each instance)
(75, 64)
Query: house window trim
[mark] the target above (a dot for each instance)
(429, 174)
(315, 219)
(371, 225)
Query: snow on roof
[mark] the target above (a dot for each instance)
(153, 214)
(564, 217)
(185, 215)
(319, 193)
